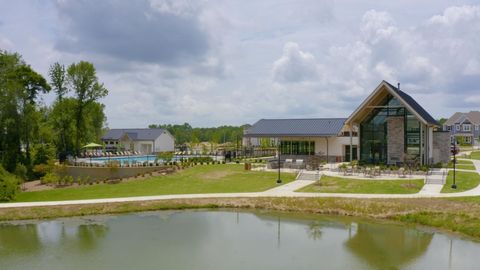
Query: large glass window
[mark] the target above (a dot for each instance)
(297, 147)
(374, 137)
(412, 135)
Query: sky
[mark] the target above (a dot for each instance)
(212, 63)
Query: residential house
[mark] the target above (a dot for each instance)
(146, 141)
(464, 128)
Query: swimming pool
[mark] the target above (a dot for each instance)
(124, 159)
(139, 159)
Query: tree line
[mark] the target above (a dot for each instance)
(32, 133)
(185, 133)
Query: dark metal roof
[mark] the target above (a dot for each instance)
(320, 127)
(414, 105)
(136, 134)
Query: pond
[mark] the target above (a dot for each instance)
(228, 240)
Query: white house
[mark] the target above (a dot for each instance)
(146, 140)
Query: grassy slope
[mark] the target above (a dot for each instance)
(331, 184)
(199, 179)
(461, 215)
(464, 181)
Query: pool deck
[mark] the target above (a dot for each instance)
(287, 190)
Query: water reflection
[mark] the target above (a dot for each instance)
(314, 230)
(14, 237)
(387, 246)
(227, 240)
(22, 239)
(88, 235)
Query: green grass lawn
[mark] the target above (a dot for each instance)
(331, 184)
(463, 164)
(200, 179)
(475, 155)
(464, 181)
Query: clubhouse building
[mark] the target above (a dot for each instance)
(389, 127)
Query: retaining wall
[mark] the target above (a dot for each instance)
(102, 173)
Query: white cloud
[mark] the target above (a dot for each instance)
(294, 65)
(225, 64)
(377, 26)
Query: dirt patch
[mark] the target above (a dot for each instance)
(215, 175)
(35, 186)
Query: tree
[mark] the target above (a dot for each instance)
(58, 80)
(19, 88)
(442, 120)
(8, 185)
(83, 80)
(32, 84)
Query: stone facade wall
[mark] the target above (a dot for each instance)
(441, 146)
(395, 139)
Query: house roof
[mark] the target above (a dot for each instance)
(136, 134)
(459, 117)
(474, 116)
(415, 106)
(315, 127)
(453, 119)
(410, 103)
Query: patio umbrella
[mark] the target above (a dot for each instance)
(92, 145)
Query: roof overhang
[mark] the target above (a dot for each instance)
(376, 96)
(288, 135)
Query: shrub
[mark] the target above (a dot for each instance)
(8, 185)
(165, 156)
(50, 178)
(21, 171)
(424, 168)
(40, 170)
(70, 180)
(200, 159)
(343, 166)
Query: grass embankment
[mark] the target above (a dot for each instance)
(460, 215)
(331, 184)
(463, 164)
(463, 180)
(223, 178)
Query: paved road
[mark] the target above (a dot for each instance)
(287, 190)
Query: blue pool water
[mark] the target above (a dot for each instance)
(137, 159)
(130, 159)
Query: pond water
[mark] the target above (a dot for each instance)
(228, 240)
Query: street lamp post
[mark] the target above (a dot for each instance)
(454, 150)
(279, 180)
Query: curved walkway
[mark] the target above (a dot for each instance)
(287, 190)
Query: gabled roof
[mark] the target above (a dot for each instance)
(403, 97)
(136, 134)
(473, 117)
(454, 119)
(315, 127)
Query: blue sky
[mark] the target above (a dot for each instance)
(233, 62)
